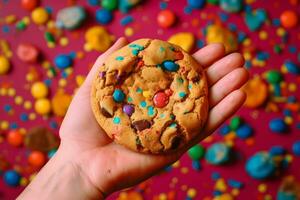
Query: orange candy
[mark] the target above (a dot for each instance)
(289, 19)
(37, 159)
(166, 18)
(15, 138)
(29, 4)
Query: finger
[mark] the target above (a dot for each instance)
(223, 110)
(223, 67)
(230, 82)
(209, 54)
(100, 60)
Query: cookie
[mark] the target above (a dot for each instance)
(150, 96)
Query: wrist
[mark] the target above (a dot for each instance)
(61, 179)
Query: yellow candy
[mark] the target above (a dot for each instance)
(185, 40)
(62, 82)
(219, 34)
(39, 90)
(64, 41)
(128, 32)
(18, 100)
(146, 94)
(39, 16)
(11, 92)
(23, 181)
(225, 196)
(42, 106)
(60, 103)
(4, 65)
(221, 185)
(97, 38)
(79, 80)
(10, 19)
(191, 192)
(262, 188)
(32, 116)
(4, 125)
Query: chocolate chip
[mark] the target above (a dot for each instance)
(105, 113)
(175, 142)
(141, 125)
(195, 79)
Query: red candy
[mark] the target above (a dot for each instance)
(166, 18)
(15, 138)
(29, 4)
(36, 159)
(160, 99)
(27, 53)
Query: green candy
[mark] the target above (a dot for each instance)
(21, 25)
(49, 37)
(277, 49)
(215, 2)
(196, 152)
(274, 77)
(109, 4)
(235, 123)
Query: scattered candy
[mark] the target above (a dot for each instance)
(255, 19)
(196, 4)
(98, 39)
(36, 159)
(39, 16)
(60, 103)
(231, 6)
(4, 65)
(217, 154)
(296, 148)
(39, 90)
(42, 106)
(196, 152)
(289, 189)
(118, 96)
(27, 53)
(12, 178)
(63, 61)
(166, 18)
(109, 4)
(278, 125)
(15, 138)
(103, 16)
(185, 40)
(29, 4)
(160, 99)
(289, 19)
(170, 66)
(260, 166)
(71, 17)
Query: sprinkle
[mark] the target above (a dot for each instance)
(173, 125)
(162, 115)
(120, 58)
(116, 120)
(151, 110)
(162, 49)
(126, 20)
(143, 104)
(129, 99)
(139, 90)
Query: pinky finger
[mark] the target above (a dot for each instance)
(223, 110)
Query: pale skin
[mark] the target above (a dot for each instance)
(89, 165)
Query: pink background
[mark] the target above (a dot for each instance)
(145, 25)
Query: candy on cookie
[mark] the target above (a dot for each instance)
(150, 96)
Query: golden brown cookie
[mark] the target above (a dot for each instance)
(150, 96)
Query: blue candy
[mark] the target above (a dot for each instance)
(277, 150)
(235, 184)
(282, 195)
(218, 153)
(260, 166)
(296, 148)
(63, 61)
(278, 125)
(94, 2)
(118, 95)
(196, 165)
(292, 67)
(12, 178)
(126, 20)
(254, 20)
(196, 4)
(103, 16)
(244, 131)
(224, 130)
(170, 66)
(231, 6)
(51, 153)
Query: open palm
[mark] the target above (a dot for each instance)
(110, 166)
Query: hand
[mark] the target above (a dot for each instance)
(107, 166)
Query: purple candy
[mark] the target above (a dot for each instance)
(102, 74)
(128, 109)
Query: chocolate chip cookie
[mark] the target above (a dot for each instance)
(150, 96)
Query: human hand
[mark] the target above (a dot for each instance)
(105, 166)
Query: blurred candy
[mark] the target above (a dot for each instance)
(97, 38)
(103, 16)
(51, 153)
(289, 19)
(255, 19)
(12, 178)
(292, 67)
(244, 131)
(71, 17)
(60, 103)
(4, 65)
(29, 4)
(278, 125)
(196, 4)
(40, 139)
(196, 152)
(217, 154)
(260, 165)
(296, 148)
(125, 5)
(42, 106)
(257, 92)
(63, 61)
(36, 159)
(277, 150)
(289, 189)
(39, 90)
(235, 122)
(27, 53)
(15, 138)
(39, 16)
(185, 40)
(274, 76)
(231, 6)
(219, 34)
(166, 18)
(109, 4)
